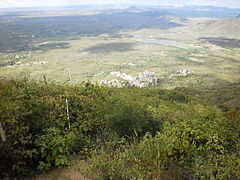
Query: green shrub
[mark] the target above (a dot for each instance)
(199, 143)
(55, 148)
(168, 134)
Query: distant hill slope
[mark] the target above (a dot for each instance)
(96, 24)
(228, 28)
(202, 11)
(226, 97)
(133, 9)
(224, 28)
(238, 16)
(178, 20)
(202, 28)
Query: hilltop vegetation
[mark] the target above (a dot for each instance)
(183, 124)
(126, 132)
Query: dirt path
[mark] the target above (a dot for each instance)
(66, 173)
(61, 174)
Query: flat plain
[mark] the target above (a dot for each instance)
(87, 45)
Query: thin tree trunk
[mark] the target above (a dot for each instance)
(68, 117)
(2, 133)
(69, 75)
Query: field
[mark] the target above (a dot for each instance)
(87, 45)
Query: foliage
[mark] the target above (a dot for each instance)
(136, 133)
(225, 97)
(198, 143)
(55, 147)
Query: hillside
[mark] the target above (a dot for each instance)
(195, 28)
(141, 133)
(120, 92)
(202, 11)
(225, 97)
(221, 28)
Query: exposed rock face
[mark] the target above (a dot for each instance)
(122, 75)
(19, 63)
(101, 74)
(112, 83)
(183, 72)
(144, 79)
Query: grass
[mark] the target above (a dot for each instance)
(81, 60)
(86, 57)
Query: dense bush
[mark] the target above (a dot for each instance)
(137, 133)
(41, 134)
(55, 147)
(197, 143)
(225, 97)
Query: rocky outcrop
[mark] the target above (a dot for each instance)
(144, 79)
(184, 72)
(112, 83)
(122, 75)
(19, 63)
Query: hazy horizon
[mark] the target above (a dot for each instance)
(177, 3)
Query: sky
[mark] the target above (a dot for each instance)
(30, 3)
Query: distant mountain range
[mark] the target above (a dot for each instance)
(115, 21)
(238, 16)
(190, 11)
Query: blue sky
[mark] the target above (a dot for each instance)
(26, 3)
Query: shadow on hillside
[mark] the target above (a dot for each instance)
(221, 41)
(83, 25)
(51, 46)
(111, 47)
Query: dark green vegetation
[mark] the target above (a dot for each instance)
(20, 28)
(20, 31)
(111, 47)
(226, 97)
(49, 46)
(223, 42)
(126, 133)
